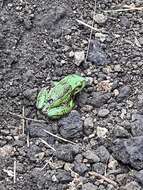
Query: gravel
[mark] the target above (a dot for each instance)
(79, 57)
(80, 168)
(100, 18)
(88, 186)
(71, 126)
(103, 154)
(131, 186)
(98, 99)
(103, 112)
(40, 43)
(137, 126)
(99, 168)
(139, 177)
(124, 93)
(96, 54)
(129, 151)
(65, 153)
(91, 156)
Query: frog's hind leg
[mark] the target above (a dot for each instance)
(42, 98)
(58, 112)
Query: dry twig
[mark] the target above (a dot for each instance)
(44, 142)
(14, 172)
(26, 118)
(131, 8)
(58, 137)
(104, 178)
(47, 162)
(87, 25)
(44, 166)
(23, 120)
(91, 32)
(28, 142)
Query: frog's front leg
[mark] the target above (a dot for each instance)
(42, 98)
(55, 113)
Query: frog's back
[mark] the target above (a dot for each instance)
(66, 87)
(74, 80)
(59, 90)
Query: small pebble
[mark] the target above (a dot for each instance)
(103, 112)
(102, 132)
(88, 122)
(117, 68)
(79, 57)
(100, 18)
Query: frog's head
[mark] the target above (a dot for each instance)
(77, 83)
(43, 99)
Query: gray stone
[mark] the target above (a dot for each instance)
(82, 99)
(31, 152)
(103, 112)
(139, 177)
(89, 186)
(56, 165)
(28, 75)
(141, 41)
(124, 21)
(78, 158)
(80, 168)
(37, 130)
(110, 187)
(99, 168)
(137, 126)
(6, 150)
(120, 132)
(88, 126)
(3, 187)
(129, 151)
(91, 156)
(124, 93)
(98, 99)
(103, 154)
(27, 23)
(101, 132)
(79, 57)
(117, 68)
(4, 132)
(100, 18)
(140, 103)
(101, 187)
(65, 153)
(63, 176)
(53, 16)
(121, 178)
(140, 100)
(71, 126)
(96, 54)
(30, 94)
(131, 186)
(88, 122)
(20, 168)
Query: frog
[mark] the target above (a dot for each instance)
(60, 100)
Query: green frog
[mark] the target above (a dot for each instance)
(60, 99)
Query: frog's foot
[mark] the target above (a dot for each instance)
(42, 98)
(58, 112)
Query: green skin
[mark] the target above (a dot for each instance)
(59, 100)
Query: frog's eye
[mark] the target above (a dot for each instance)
(50, 101)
